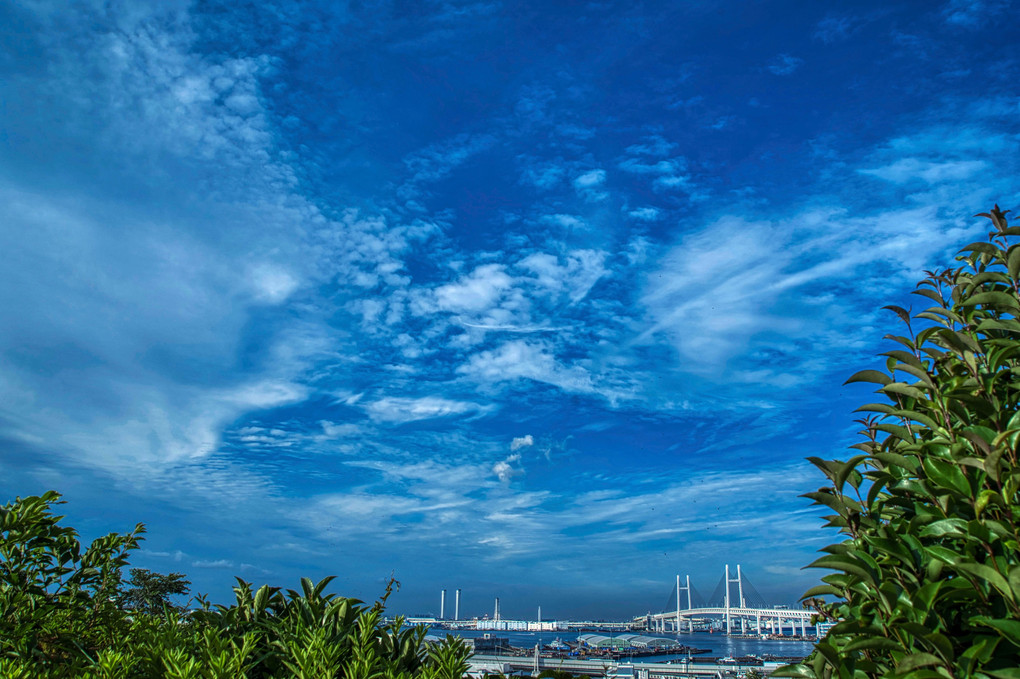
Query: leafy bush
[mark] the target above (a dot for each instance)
(927, 580)
(151, 592)
(64, 612)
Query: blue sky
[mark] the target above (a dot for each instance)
(544, 301)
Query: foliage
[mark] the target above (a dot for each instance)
(448, 660)
(64, 612)
(150, 592)
(927, 580)
(57, 601)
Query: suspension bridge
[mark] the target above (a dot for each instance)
(735, 601)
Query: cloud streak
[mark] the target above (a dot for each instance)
(497, 285)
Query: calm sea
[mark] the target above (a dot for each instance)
(718, 645)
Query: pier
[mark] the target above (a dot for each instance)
(499, 664)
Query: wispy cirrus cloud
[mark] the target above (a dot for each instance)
(313, 285)
(973, 13)
(396, 409)
(589, 185)
(785, 64)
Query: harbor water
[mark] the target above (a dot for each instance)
(718, 645)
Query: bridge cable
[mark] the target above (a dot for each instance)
(754, 599)
(718, 594)
(697, 601)
(671, 601)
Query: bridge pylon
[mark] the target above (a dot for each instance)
(740, 595)
(678, 590)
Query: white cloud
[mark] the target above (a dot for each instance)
(544, 176)
(521, 359)
(590, 179)
(272, 284)
(660, 167)
(534, 102)
(438, 160)
(566, 222)
(587, 185)
(932, 172)
(652, 146)
(397, 409)
(785, 64)
(331, 430)
(721, 298)
(646, 214)
(176, 555)
(973, 13)
(145, 267)
(504, 469)
(668, 174)
(579, 272)
(791, 571)
(835, 28)
(477, 291)
(522, 442)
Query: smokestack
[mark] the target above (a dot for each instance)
(495, 615)
(540, 614)
(456, 606)
(442, 606)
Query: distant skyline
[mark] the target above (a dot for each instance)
(544, 301)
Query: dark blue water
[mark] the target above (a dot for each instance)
(718, 645)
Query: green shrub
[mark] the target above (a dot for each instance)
(64, 612)
(927, 581)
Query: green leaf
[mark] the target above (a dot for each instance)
(899, 311)
(848, 467)
(1005, 673)
(904, 389)
(915, 660)
(919, 373)
(872, 376)
(875, 642)
(797, 671)
(917, 417)
(904, 357)
(842, 563)
(982, 248)
(1014, 580)
(897, 460)
(993, 299)
(1006, 325)
(943, 554)
(884, 408)
(1009, 628)
(946, 474)
(820, 590)
(930, 294)
(1013, 262)
(989, 574)
(945, 527)
(896, 431)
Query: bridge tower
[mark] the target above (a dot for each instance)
(740, 595)
(678, 590)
